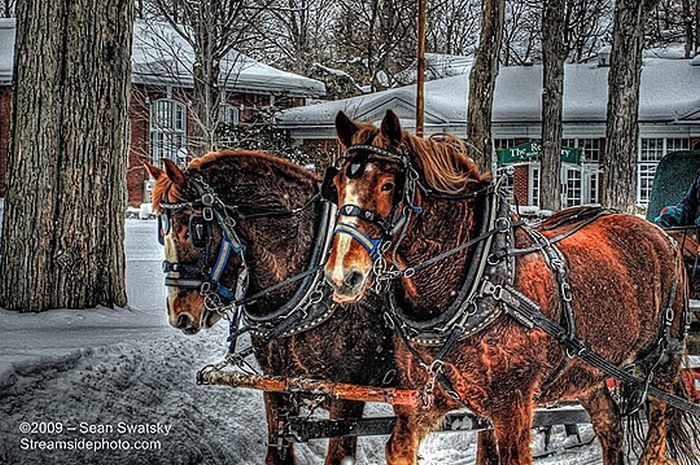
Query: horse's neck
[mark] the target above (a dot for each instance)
(442, 225)
(276, 249)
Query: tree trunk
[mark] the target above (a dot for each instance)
(553, 54)
(206, 72)
(482, 80)
(688, 27)
(63, 233)
(620, 180)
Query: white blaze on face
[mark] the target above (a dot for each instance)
(345, 241)
(171, 256)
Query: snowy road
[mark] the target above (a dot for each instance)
(108, 366)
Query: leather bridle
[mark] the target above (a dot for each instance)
(404, 203)
(207, 210)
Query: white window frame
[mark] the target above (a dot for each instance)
(589, 169)
(534, 181)
(646, 164)
(231, 114)
(168, 137)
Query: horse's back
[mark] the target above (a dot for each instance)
(621, 269)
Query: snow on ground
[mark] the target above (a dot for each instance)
(108, 366)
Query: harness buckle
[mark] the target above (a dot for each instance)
(503, 224)
(205, 288)
(208, 199)
(566, 293)
(668, 316)
(208, 214)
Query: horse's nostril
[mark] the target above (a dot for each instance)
(183, 321)
(353, 278)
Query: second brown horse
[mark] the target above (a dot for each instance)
(621, 268)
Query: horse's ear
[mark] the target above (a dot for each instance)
(154, 171)
(345, 128)
(173, 171)
(391, 127)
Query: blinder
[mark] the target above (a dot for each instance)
(163, 226)
(328, 190)
(199, 231)
(207, 211)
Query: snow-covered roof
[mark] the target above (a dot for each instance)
(162, 57)
(669, 93)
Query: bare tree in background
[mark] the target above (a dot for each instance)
(620, 180)
(213, 28)
(587, 27)
(673, 22)
(376, 37)
(295, 34)
(691, 27)
(553, 54)
(521, 32)
(482, 81)
(7, 8)
(62, 242)
(453, 26)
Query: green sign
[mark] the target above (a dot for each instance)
(533, 151)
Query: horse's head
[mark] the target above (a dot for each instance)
(377, 186)
(202, 259)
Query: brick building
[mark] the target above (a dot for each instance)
(669, 119)
(161, 88)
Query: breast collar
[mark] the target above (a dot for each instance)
(309, 306)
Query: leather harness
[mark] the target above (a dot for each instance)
(488, 292)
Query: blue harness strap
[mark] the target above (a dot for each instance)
(371, 245)
(226, 248)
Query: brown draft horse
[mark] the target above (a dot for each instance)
(354, 346)
(621, 269)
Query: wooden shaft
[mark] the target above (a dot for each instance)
(420, 71)
(340, 391)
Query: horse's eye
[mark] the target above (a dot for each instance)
(388, 186)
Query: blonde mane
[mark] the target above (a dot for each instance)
(443, 159)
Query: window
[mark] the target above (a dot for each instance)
(593, 185)
(534, 177)
(590, 149)
(168, 130)
(231, 115)
(504, 143)
(651, 151)
(677, 145)
(645, 181)
(581, 183)
(574, 187)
